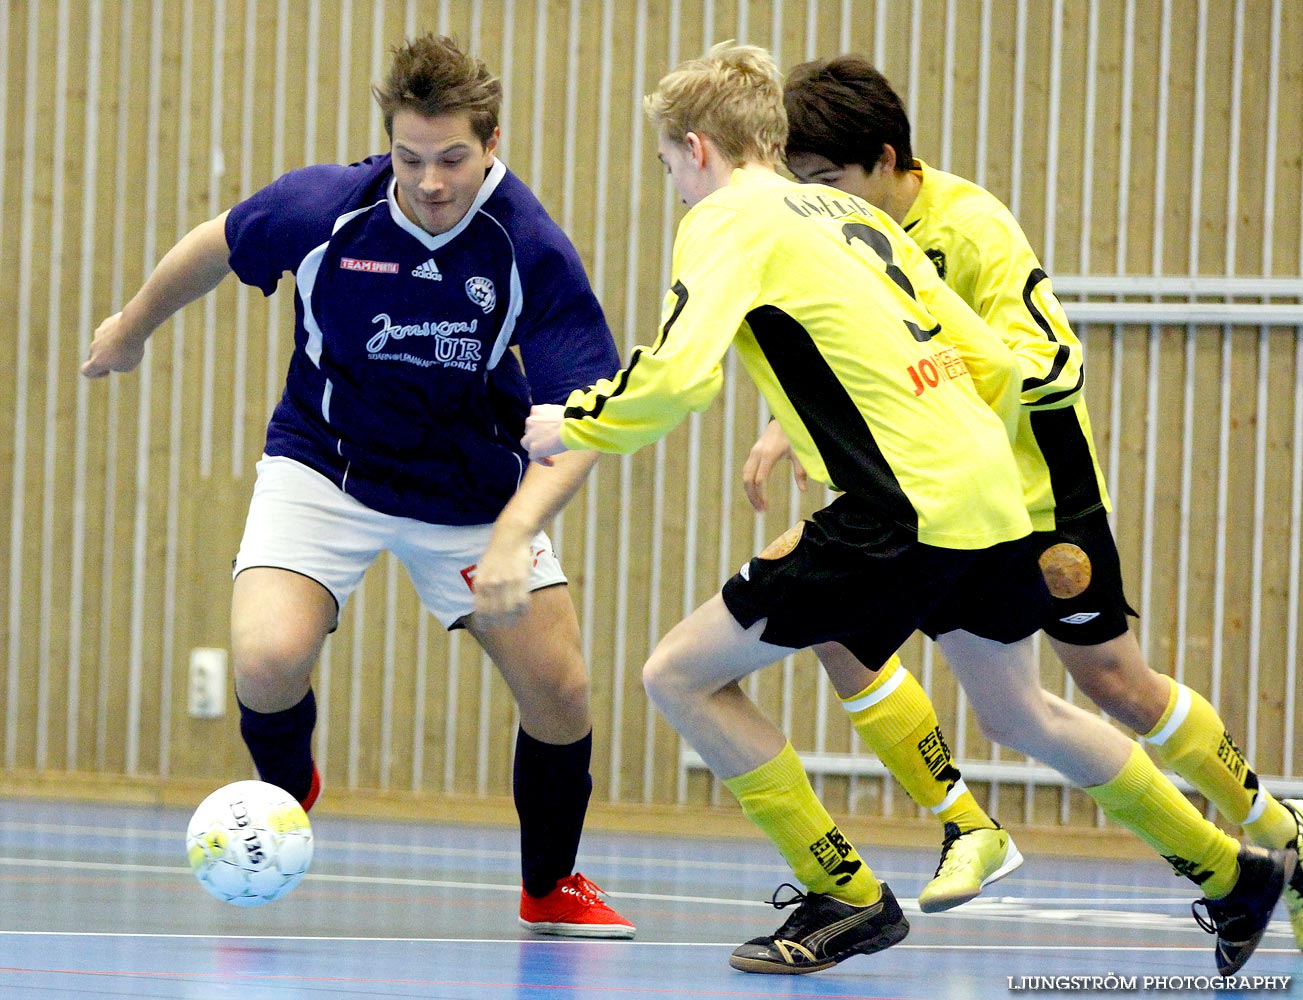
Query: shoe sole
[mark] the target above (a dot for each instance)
(1013, 859)
(889, 936)
(578, 930)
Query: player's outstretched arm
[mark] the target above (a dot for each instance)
(188, 271)
(502, 575)
(771, 447)
(542, 437)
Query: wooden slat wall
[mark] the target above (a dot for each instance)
(126, 122)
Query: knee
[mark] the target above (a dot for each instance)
(267, 665)
(569, 693)
(659, 678)
(552, 693)
(667, 678)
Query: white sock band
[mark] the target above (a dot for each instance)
(1178, 716)
(950, 799)
(876, 695)
(1259, 806)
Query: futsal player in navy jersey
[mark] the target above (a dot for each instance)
(416, 272)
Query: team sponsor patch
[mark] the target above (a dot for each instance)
(784, 543)
(1080, 618)
(1066, 569)
(449, 349)
(945, 365)
(482, 293)
(373, 266)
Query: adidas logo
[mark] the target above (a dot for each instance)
(1080, 618)
(429, 270)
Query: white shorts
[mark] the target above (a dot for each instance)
(300, 521)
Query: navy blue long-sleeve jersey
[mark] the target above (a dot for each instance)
(401, 388)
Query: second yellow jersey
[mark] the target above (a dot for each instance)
(980, 251)
(886, 384)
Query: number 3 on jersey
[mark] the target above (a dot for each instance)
(926, 373)
(881, 247)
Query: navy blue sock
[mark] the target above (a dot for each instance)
(551, 786)
(281, 744)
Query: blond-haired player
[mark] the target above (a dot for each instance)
(831, 306)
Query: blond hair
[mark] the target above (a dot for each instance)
(733, 95)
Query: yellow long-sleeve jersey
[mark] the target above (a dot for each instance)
(886, 384)
(981, 252)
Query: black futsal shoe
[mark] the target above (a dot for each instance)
(822, 932)
(1240, 918)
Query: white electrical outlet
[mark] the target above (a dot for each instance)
(207, 683)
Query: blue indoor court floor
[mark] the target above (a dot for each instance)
(98, 901)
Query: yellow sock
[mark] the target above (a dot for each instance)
(778, 798)
(895, 717)
(1191, 739)
(1149, 805)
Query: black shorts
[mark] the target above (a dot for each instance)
(847, 575)
(1081, 566)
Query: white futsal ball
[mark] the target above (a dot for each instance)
(249, 843)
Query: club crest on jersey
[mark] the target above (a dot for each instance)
(938, 258)
(482, 293)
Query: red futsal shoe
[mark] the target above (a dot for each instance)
(573, 909)
(314, 790)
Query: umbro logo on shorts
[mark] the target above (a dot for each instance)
(429, 270)
(1080, 618)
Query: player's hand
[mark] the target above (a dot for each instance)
(113, 349)
(502, 583)
(543, 432)
(765, 454)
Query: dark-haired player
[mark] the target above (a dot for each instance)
(834, 313)
(415, 273)
(848, 129)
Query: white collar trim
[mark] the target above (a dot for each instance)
(431, 242)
